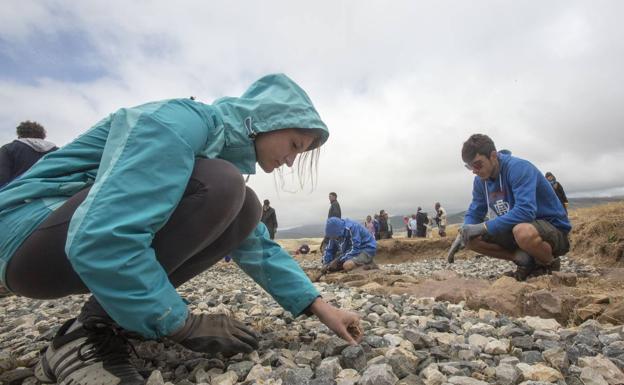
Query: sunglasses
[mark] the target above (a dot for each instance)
(476, 165)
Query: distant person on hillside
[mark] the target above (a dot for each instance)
(377, 225)
(19, 155)
(269, 218)
(558, 189)
(383, 224)
(370, 226)
(334, 206)
(440, 219)
(350, 245)
(530, 226)
(421, 223)
(407, 229)
(413, 226)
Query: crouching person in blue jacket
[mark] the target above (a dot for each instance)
(145, 200)
(350, 245)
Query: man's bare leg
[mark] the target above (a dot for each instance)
(349, 265)
(490, 249)
(528, 239)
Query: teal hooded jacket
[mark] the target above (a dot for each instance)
(138, 161)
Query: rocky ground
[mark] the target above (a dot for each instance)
(424, 321)
(408, 339)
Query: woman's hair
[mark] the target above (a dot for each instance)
(306, 164)
(30, 129)
(477, 144)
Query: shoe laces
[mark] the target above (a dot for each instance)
(107, 342)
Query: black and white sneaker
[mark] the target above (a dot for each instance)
(95, 353)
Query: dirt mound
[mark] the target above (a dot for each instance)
(597, 235)
(563, 296)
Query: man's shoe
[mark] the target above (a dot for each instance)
(96, 353)
(555, 265)
(525, 264)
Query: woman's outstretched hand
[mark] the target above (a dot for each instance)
(345, 324)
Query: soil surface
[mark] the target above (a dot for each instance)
(588, 287)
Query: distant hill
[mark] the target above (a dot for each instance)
(317, 230)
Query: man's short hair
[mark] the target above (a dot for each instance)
(266, 202)
(333, 194)
(477, 144)
(30, 129)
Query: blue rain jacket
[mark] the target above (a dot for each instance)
(138, 161)
(347, 239)
(520, 194)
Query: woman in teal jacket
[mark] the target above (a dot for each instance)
(142, 202)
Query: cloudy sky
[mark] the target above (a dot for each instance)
(401, 84)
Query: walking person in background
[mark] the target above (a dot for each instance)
(383, 224)
(421, 223)
(370, 226)
(558, 189)
(440, 219)
(377, 225)
(269, 218)
(144, 201)
(413, 226)
(334, 206)
(407, 229)
(530, 227)
(19, 155)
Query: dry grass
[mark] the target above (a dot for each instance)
(597, 235)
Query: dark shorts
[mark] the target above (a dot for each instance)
(362, 259)
(557, 239)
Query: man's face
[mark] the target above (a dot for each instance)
(484, 167)
(550, 178)
(332, 198)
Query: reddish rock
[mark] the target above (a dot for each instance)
(563, 279)
(614, 314)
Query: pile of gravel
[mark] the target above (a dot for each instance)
(407, 340)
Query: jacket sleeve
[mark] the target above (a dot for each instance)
(478, 207)
(356, 244)
(146, 163)
(275, 271)
(6, 165)
(523, 179)
(330, 251)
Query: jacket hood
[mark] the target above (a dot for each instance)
(272, 103)
(334, 227)
(39, 145)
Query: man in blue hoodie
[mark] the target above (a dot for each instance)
(529, 226)
(350, 245)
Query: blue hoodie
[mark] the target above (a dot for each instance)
(347, 239)
(519, 194)
(138, 161)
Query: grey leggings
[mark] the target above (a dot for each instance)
(216, 213)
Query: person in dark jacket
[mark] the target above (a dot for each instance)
(528, 226)
(269, 218)
(421, 223)
(334, 206)
(18, 156)
(558, 189)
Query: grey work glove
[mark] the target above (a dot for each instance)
(211, 333)
(472, 231)
(455, 247)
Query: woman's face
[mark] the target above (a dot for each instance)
(279, 147)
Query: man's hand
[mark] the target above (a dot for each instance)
(469, 232)
(211, 333)
(339, 321)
